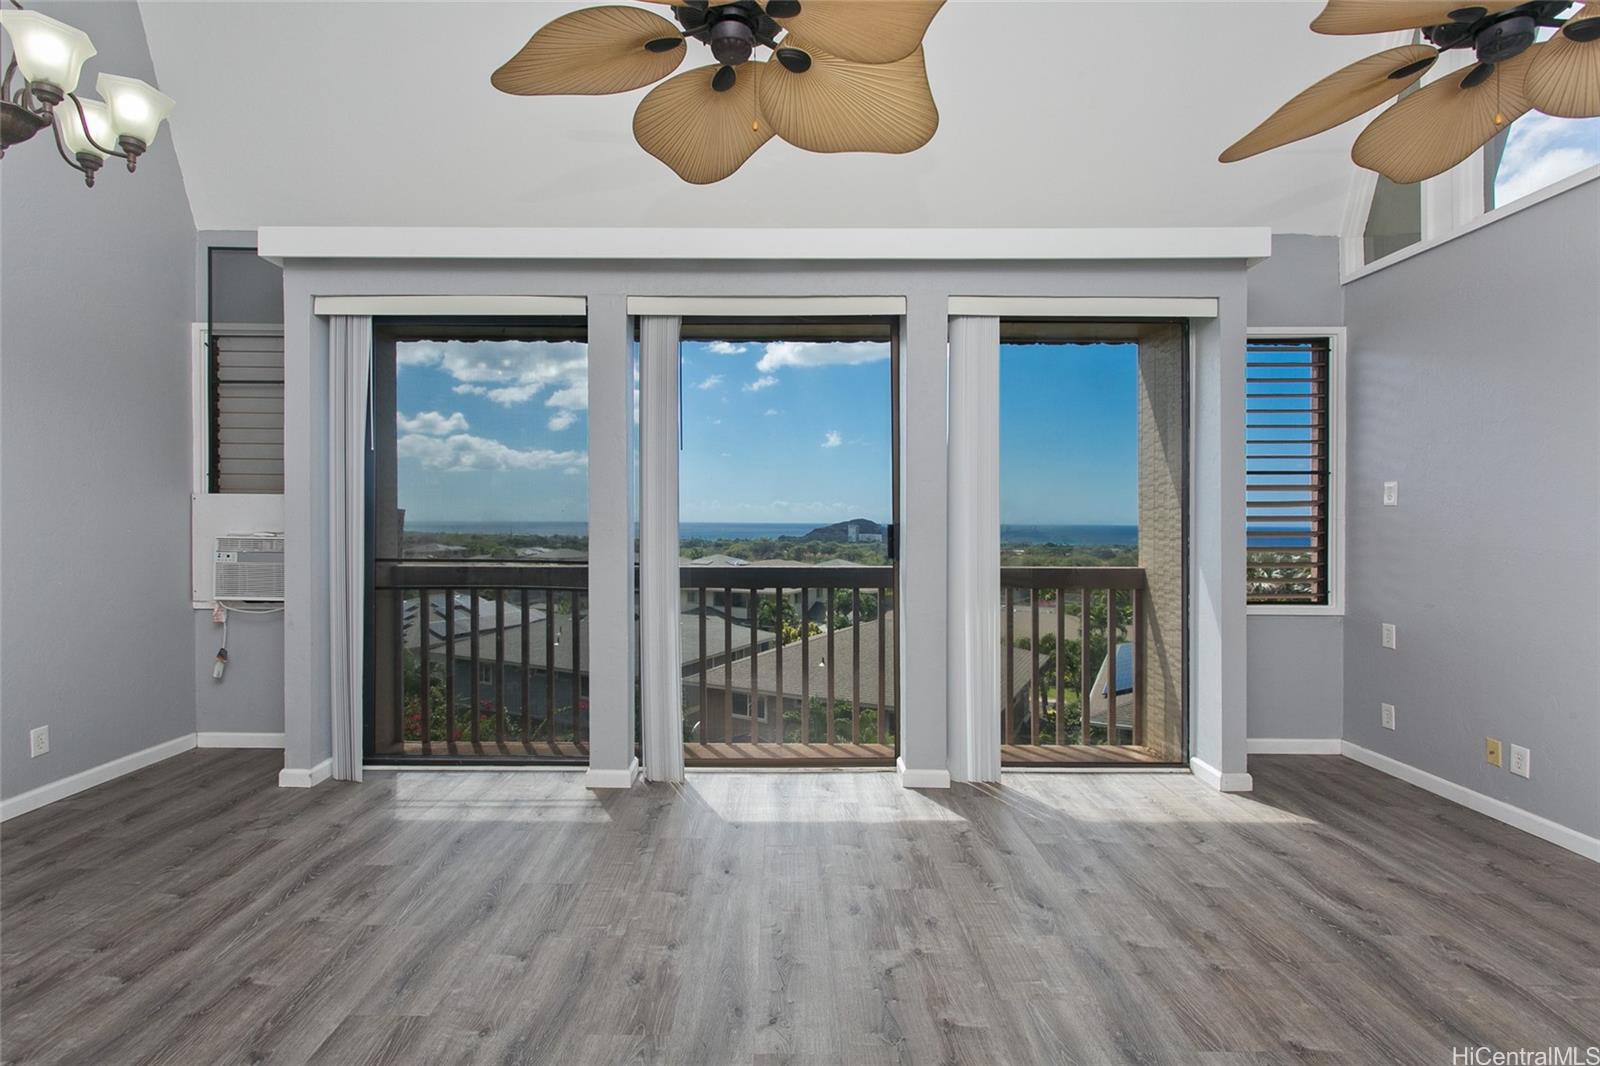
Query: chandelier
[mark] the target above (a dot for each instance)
(50, 56)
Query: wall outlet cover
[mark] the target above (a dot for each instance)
(1520, 761)
(1388, 635)
(1391, 493)
(1387, 710)
(38, 741)
(1491, 751)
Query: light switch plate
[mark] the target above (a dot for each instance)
(1520, 759)
(1388, 635)
(1391, 493)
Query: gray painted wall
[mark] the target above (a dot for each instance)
(97, 287)
(1485, 411)
(249, 698)
(1296, 664)
(1218, 573)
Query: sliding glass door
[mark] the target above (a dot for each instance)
(786, 535)
(1092, 542)
(479, 533)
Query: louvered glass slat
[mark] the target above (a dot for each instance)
(1286, 471)
(247, 413)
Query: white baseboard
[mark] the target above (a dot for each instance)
(1293, 746)
(1499, 810)
(238, 740)
(595, 777)
(319, 773)
(33, 799)
(920, 778)
(1222, 782)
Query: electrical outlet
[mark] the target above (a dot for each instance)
(1391, 493)
(1388, 635)
(1388, 715)
(1520, 758)
(1491, 751)
(38, 741)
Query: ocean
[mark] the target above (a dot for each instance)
(1009, 534)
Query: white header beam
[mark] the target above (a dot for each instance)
(766, 306)
(279, 243)
(1081, 307)
(451, 305)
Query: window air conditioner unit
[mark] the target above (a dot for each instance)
(249, 567)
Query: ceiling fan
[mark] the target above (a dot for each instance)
(1436, 127)
(842, 76)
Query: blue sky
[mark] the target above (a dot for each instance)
(1069, 434)
(1541, 150)
(795, 432)
(493, 431)
(787, 431)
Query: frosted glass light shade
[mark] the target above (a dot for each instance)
(47, 50)
(137, 109)
(97, 115)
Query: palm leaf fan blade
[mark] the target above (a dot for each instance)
(702, 134)
(1564, 79)
(1386, 16)
(1336, 99)
(592, 52)
(863, 31)
(841, 106)
(1435, 128)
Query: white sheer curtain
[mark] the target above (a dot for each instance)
(349, 410)
(974, 547)
(662, 681)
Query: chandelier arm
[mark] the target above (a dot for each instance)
(83, 120)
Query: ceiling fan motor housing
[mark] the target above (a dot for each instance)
(1500, 41)
(732, 41)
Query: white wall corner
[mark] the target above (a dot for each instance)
(1222, 782)
(297, 778)
(1501, 811)
(597, 778)
(920, 778)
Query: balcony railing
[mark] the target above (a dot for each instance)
(789, 663)
(483, 659)
(1072, 665)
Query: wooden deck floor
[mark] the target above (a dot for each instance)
(505, 749)
(193, 913)
(769, 754)
(1021, 755)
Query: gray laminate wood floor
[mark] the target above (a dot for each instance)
(195, 913)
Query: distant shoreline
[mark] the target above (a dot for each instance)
(1087, 534)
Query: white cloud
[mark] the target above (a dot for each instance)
(507, 372)
(710, 382)
(765, 382)
(769, 412)
(465, 452)
(1542, 150)
(780, 354)
(726, 348)
(431, 422)
(832, 440)
(562, 420)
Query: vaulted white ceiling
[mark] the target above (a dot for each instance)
(1067, 113)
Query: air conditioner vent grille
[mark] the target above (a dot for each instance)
(249, 568)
